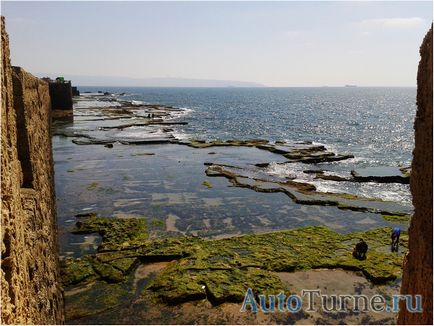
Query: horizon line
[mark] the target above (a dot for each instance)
(325, 86)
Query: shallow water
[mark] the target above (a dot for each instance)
(126, 182)
(166, 184)
(170, 188)
(373, 123)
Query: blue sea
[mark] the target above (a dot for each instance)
(374, 124)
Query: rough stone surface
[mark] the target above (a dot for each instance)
(31, 291)
(61, 95)
(417, 277)
(217, 270)
(304, 193)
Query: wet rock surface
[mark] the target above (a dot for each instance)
(114, 176)
(304, 193)
(124, 124)
(218, 271)
(381, 174)
(176, 237)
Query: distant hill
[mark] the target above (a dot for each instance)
(80, 80)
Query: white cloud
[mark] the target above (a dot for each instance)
(402, 23)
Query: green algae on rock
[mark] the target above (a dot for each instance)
(221, 270)
(116, 233)
(158, 223)
(94, 299)
(92, 186)
(397, 218)
(76, 271)
(406, 171)
(179, 283)
(207, 184)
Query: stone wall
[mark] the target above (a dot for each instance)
(31, 291)
(418, 276)
(75, 91)
(61, 95)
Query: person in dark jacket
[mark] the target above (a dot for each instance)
(360, 250)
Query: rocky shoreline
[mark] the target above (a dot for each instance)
(172, 269)
(217, 271)
(156, 123)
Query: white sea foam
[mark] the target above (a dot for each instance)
(92, 103)
(181, 113)
(91, 94)
(180, 135)
(140, 133)
(389, 192)
(282, 170)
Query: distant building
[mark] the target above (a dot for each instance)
(60, 93)
(75, 91)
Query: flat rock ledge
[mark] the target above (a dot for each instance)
(305, 193)
(382, 175)
(216, 270)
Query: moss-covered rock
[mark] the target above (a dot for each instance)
(207, 184)
(397, 218)
(92, 185)
(222, 270)
(74, 271)
(180, 283)
(108, 272)
(116, 233)
(94, 299)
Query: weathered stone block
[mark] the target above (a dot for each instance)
(30, 280)
(418, 276)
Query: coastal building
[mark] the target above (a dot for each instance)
(60, 93)
(75, 91)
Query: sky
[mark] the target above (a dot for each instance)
(280, 44)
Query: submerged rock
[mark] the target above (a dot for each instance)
(304, 153)
(92, 141)
(294, 152)
(383, 174)
(197, 143)
(327, 176)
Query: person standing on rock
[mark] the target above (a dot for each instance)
(396, 232)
